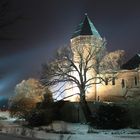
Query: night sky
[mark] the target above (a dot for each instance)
(36, 28)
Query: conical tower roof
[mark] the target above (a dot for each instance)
(86, 27)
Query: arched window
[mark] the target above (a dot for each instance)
(123, 83)
(113, 81)
(106, 81)
(136, 82)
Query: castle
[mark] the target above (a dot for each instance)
(126, 84)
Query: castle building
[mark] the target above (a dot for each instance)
(126, 84)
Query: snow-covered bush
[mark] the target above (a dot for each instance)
(27, 94)
(30, 88)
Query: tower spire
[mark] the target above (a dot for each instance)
(86, 27)
(86, 14)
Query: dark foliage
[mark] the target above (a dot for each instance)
(21, 108)
(45, 112)
(58, 110)
(38, 117)
(111, 117)
(134, 113)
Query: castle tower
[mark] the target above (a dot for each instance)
(85, 36)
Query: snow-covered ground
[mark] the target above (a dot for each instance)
(71, 131)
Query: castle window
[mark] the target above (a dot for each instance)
(136, 82)
(123, 83)
(106, 81)
(113, 81)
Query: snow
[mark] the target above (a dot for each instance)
(71, 131)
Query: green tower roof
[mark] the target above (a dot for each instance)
(86, 27)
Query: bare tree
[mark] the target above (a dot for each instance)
(69, 63)
(81, 67)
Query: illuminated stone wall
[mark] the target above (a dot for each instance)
(127, 87)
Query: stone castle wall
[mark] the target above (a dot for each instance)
(127, 86)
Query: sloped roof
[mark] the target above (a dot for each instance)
(86, 27)
(133, 63)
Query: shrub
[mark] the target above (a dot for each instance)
(134, 113)
(38, 117)
(20, 108)
(43, 114)
(111, 117)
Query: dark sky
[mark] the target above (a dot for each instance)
(44, 25)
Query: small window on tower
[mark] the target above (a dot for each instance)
(123, 83)
(113, 81)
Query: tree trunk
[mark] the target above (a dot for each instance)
(86, 110)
